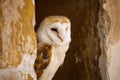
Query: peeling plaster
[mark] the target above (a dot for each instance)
(9, 72)
(27, 65)
(104, 29)
(22, 71)
(18, 46)
(10, 10)
(114, 67)
(33, 1)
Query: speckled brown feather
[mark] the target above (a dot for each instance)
(43, 58)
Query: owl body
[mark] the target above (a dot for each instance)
(53, 42)
(57, 59)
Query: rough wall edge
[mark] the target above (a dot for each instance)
(103, 26)
(24, 70)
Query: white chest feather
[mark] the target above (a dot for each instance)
(57, 59)
(54, 31)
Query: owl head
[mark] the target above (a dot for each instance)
(55, 30)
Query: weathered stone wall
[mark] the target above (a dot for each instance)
(112, 7)
(103, 29)
(17, 40)
(94, 50)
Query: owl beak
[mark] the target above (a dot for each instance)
(60, 38)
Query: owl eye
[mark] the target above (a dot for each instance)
(54, 29)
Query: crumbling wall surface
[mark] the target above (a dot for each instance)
(104, 29)
(17, 40)
(109, 32)
(113, 9)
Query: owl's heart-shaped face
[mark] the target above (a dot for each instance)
(55, 30)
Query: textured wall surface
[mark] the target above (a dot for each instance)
(113, 9)
(17, 40)
(94, 50)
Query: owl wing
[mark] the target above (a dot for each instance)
(44, 53)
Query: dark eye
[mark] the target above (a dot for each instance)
(54, 29)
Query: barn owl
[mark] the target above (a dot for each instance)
(53, 42)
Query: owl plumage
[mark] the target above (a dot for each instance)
(53, 42)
